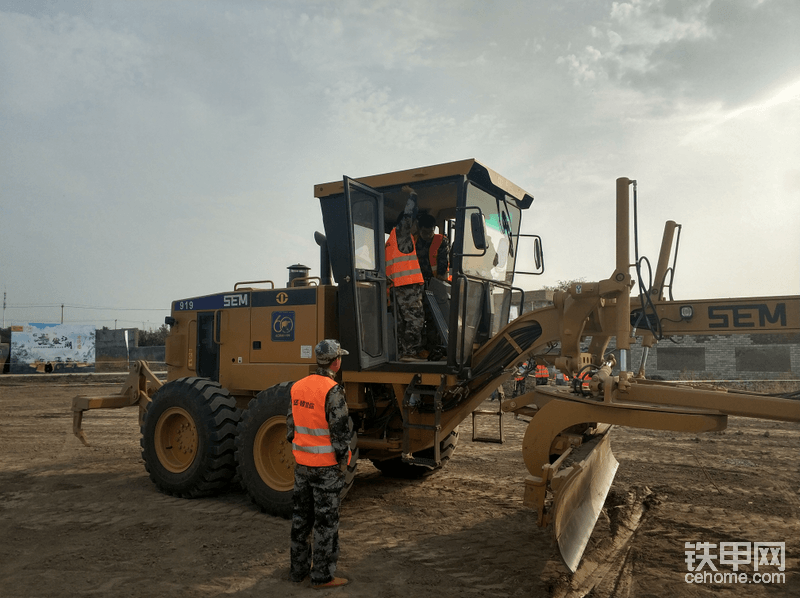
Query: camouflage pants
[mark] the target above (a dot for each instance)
(410, 319)
(316, 508)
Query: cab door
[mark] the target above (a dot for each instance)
(208, 345)
(367, 284)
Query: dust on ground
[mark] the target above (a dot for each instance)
(87, 521)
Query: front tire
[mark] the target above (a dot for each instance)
(188, 433)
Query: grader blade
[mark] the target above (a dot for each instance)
(579, 492)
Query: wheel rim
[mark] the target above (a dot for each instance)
(273, 456)
(176, 440)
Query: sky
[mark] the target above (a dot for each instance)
(154, 151)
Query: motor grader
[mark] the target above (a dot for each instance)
(233, 356)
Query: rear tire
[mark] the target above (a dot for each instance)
(265, 462)
(188, 434)
(396, 468)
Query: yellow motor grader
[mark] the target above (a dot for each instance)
(233, 356)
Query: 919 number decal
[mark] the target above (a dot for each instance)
(186, 305)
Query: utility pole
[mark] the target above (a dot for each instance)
(62, 313)
(4, 309)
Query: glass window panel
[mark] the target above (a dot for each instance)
(369, 298)
(364, 231)
(501, 224)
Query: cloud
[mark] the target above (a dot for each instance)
(195, 131)
(718, 116)
(696, 51)
(65, 61)
(627, 42)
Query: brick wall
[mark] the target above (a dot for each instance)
(113, 355)
(724, 357)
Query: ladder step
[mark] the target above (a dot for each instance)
(476, 438)
(413, 391)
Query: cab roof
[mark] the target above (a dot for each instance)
(471, 168)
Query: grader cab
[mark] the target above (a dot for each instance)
(233, 356)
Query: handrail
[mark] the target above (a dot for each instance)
(294, 282)
(236, 286)
(215, 328)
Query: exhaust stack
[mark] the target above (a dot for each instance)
(297, 276)
(324, 258)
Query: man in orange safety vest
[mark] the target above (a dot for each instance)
(320, 430)
(404, 274)
(542, 375)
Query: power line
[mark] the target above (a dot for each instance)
(30, 306)
(36, 312)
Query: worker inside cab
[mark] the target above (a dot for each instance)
(403, 271)
(433, 256)
(433, 249)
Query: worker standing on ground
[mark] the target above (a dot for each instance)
(320, 431)
(542, 374)
(403, 271)
(520, 376)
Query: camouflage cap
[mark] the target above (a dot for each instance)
(328, 350)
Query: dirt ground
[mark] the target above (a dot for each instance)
(78, 521)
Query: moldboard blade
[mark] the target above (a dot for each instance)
(578, 498)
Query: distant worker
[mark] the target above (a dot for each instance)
(320, 431)
(582, 382)
(520, 377)
(403, 271)
(499, 394)
(542, 375)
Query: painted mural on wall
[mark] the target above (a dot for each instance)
(52, 348)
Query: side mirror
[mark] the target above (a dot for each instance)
(538, 253)
(478, 231)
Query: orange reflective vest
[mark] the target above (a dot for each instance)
(585, 378)
(402, 268)
(312, 436)
(541, 371)
(433, 254)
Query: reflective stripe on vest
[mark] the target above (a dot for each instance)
(402, 268)
(312, 437)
